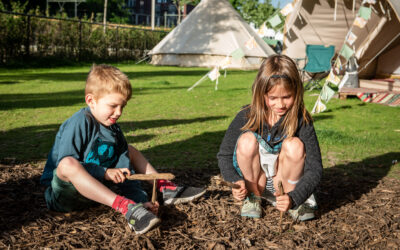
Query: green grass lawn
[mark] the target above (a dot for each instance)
(175, 128)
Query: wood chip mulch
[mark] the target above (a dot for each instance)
(354, 212)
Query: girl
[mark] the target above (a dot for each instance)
(273, 140)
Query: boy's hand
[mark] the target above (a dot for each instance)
(283, 202)
(117, 175)
(239, 193)
(152, 207)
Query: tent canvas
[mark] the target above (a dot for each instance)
(210, 33)
(313, 22)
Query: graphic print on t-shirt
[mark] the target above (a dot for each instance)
(102, 153)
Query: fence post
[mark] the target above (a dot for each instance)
(28, 35)
(80, 40)
(116, 44)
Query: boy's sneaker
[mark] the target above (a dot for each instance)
(140, 219)
(251, 207)
(181, 194)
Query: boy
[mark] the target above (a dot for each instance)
(90, 154)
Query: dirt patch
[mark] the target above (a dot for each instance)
(355, 212)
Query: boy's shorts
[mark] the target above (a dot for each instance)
(268, 156)
(63, 197)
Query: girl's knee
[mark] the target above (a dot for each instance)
(293, 148)
(247, 145)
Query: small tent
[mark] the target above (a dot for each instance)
(210, 33)
(327, 22)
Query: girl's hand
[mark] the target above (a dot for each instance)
(152, 207)
(283, 202)
(117, 175)
(239, 193)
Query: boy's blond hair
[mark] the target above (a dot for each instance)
(105, 79)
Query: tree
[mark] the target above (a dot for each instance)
(254, 11)
(179, 5)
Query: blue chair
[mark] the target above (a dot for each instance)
(318, 64)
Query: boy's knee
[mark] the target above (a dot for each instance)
(293, 148)
(247, 145)
(68, 165)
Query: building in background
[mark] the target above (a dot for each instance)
(166, 13)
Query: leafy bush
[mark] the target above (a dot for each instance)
(73, 40)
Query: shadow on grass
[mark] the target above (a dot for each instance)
(346, 183)
(41, 100)
(126, 126)
(34, 142)
(81, 76)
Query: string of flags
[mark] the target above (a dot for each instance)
(237, 54)
(250, 44)
(346, 52)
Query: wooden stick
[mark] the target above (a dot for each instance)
(281, 192)
(144, 177)
(219, 181)
(154, 196)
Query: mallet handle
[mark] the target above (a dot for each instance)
(144, 177)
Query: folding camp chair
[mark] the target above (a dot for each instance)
(318, 64)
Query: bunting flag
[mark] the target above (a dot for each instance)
(225, 63)
(287, 9)
(333, 78)
(338, 65)
(344, 80)
(261, 30)
(318, 107)
(275, 20)
(251, 43)
(365, 12)
(214, 74)
(271, 42)
(360, 22)
(346, 52)
(237, 54)
(326, 93)
(351, 38)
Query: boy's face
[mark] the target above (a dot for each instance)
(106, 109)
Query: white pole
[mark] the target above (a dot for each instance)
(153, 13)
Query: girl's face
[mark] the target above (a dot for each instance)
(279, 100)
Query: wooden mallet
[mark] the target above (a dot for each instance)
(154, 177)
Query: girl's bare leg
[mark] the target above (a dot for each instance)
(290, 164)
(70, 170)
(249, 163)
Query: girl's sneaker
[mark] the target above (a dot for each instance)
(251, 207)
(140, 219)
(302, 213)
(306, 210)
(181, 194)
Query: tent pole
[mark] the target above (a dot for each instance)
(387, 45)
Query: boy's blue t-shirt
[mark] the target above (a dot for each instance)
(91, 143)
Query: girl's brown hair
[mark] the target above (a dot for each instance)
(105, 79)
(283, 71)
